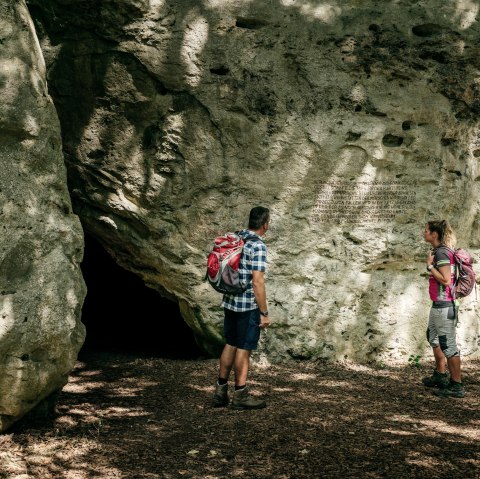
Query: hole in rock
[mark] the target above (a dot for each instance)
(427, 30)
(250, 23)
(121, 314)
(222, 70)
(392, 140)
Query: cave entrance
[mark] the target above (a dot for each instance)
(121, 314)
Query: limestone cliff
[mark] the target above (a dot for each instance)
(355, 122)
(41, 288)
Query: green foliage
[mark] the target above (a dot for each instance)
(414, 360)
(381, 364)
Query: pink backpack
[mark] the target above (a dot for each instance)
(223, 262)
(464, 274)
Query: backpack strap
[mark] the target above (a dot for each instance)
(249, 237)
(253, 237)
(455, 281)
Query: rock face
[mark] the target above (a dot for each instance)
(41, 288)
(355, 122)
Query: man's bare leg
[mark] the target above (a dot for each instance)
(227, 360)
(242, 362)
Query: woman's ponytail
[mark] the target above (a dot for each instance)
(446, 235)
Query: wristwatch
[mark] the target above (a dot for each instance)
(429, 268)
(264, 313)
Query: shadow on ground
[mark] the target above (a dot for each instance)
(128, 417)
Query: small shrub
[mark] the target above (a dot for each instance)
(414, 360)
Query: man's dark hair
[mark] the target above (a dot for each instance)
(258, 217)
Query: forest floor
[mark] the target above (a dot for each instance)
(125, 416)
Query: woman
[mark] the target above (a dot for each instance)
(442, 321)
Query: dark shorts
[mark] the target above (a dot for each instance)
(242, 329)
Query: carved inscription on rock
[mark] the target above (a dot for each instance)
(361, 203)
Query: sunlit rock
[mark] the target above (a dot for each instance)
(356, 122)
(41, 288)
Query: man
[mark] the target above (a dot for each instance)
(245, 315)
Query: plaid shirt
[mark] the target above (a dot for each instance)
(254, 258)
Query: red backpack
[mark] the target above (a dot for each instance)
(223, 262)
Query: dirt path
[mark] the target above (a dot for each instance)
(128, 417)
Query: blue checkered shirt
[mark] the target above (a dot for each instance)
(254, 258)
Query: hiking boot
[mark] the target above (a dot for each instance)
(243, 400)
(220, 397)
(453, 390)
(437, 379)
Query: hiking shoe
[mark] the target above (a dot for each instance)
(243, 400)
(436, 380)
(220, 397)
(453, 390)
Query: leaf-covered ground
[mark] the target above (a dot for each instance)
(130, 417)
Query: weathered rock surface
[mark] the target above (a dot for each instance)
(41, 288)
(355, 122)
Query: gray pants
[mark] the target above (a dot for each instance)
(441, 331)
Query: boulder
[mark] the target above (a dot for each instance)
(355, 122)
(41, 242)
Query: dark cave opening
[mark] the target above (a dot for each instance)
(121, 314)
